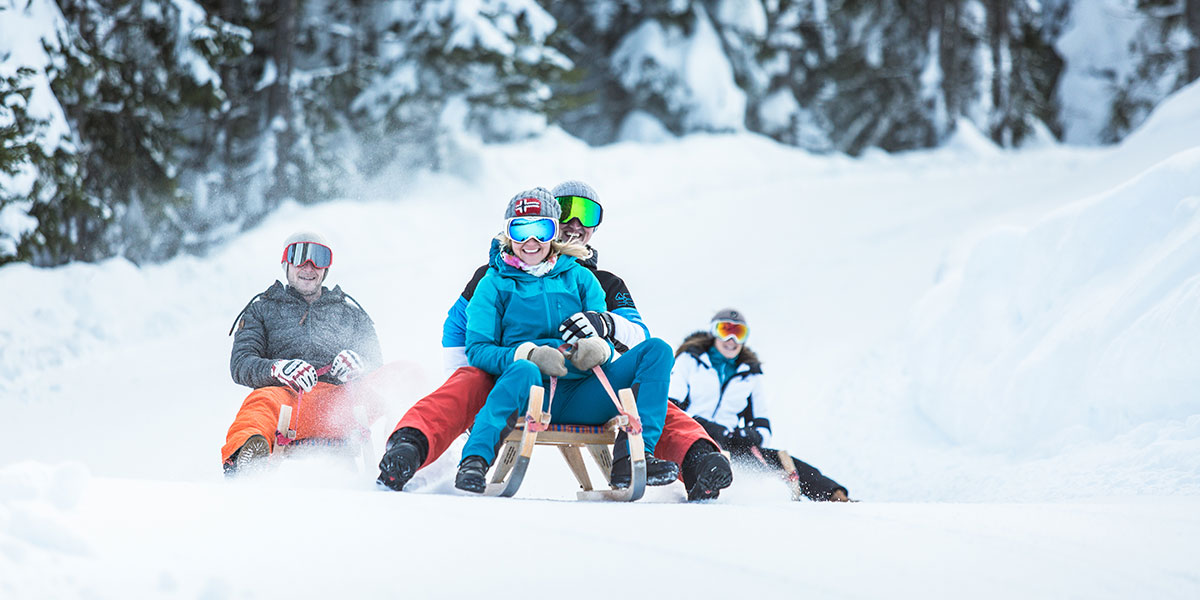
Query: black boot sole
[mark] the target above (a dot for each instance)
(398, 478)
(715, 475)
(470, 485)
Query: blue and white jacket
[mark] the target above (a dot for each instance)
(696, 387)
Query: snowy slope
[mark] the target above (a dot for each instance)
(992, 349)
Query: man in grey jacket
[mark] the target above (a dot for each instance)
(283, 334)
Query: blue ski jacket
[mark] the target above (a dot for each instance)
(510, 306)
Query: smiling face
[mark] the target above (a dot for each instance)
(728, 347)
(574, 231)
(531, 251)
(306, 280)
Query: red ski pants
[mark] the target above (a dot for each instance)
(327, 411)
(450, 410)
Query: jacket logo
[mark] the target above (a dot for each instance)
(623, 299)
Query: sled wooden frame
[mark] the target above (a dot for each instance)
(514, 454)
(285, 436)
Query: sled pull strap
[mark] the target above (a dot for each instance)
(631, 423)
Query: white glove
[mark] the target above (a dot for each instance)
(346, 365)
(548, 359)
(295, 373)
(590, 352)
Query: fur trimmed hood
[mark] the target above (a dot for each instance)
(701, 341)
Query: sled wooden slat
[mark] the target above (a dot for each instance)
(571, 440)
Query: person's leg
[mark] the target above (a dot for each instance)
(509, 395)
(258, 415)
(680, 433)
(446, 413)
(325, 412)
(813, 484)
(646, 369)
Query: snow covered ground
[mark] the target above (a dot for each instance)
(996, 351)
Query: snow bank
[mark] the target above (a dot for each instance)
(1086, 320)
(33, 498)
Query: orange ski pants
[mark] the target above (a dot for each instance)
(327, 411)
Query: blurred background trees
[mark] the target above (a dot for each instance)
(143, 128)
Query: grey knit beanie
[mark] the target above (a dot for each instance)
(533, 203)
(576, 188)
(729, 314)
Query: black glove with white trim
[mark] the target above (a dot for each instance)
(745, 437)
(586, 324)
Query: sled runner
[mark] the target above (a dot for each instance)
(535, 429)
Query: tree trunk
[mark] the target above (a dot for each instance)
(1192, 13)
(997, 15)
(279, 104)
(947, 19)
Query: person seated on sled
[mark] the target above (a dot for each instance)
(535, 283)
(718, 380)
(428, 429)
(285, 337)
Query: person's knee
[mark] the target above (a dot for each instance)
(474, 376)
(525, 371)
(658, 348)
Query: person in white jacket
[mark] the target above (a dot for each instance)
(718, 381)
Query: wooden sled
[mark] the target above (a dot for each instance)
(358, 446)
(514, 455)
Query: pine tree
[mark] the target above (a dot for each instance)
(1165, 48)
(448, 67)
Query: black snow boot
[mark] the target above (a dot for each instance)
(472, 475)
(251, 457)
(405, 453)
(705, 472)
(658, 471)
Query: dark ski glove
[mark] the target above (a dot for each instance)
(745, 437)
(586, 324)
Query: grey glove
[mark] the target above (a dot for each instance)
(548, 359)
(590, 352)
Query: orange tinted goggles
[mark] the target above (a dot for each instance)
(731, 330)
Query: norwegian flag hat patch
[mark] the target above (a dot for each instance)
(533, 203)
(527, 207)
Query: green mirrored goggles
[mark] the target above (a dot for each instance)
(588, 211)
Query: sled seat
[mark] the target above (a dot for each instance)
(571, 440)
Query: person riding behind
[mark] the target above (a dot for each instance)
(719, 382)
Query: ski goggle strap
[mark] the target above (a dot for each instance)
(588, 211)
(731, 330)
(299, 253)
(521, 229)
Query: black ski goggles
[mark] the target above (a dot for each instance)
(299, 253)
(588, 211)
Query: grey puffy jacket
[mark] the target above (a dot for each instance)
(279, 324)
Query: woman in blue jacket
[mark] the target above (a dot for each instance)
(533, 285)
